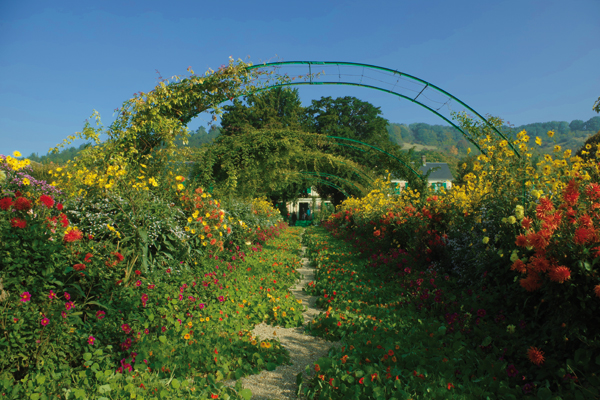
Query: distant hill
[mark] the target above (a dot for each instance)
(438, 142)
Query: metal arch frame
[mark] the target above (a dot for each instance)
(427, 84)
(324, 182)
(334, 176)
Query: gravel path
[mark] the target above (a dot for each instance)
(304, 349)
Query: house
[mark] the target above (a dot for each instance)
(440, 177)
(310, 201)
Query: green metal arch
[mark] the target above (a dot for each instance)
(334, 176)
(375, 67)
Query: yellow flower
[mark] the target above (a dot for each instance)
(207, 319)
(253, 343)
(16, 154)
(186, 336)
(189, 324)
(180, 186)
(193, 231)
(538, 141)
(189, 219)
(153, 182)
(283, 314)
(26, 181)
(179, 178)
(486, 239)
(550, 133)
(512, 219)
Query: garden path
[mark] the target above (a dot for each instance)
(304, 349)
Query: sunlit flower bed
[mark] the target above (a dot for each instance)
(136, 293)
(521, 238)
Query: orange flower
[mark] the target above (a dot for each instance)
(521, 241)
(597, 290)
(317, 368)
(377, 233)
(560, 274)
(535, 355)
(450, 386)
(519, 266)
(532, 282)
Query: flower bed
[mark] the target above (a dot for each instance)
(112, 307)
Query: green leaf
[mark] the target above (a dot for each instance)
(487, 341)
(87, 356)
(246, 394)
(544, 394)
(163, 339)
(34, 396)
(104, 389)
(175, 383)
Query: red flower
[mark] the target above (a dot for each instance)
(47, 200)
(532, 282)
(450, 386)
(584, 235)
(5, 203)
(571, 193)
(526, 223)
(560, 274)
(64, 222)
(521, 241)
(597, 290)
(138, 272)
(59, 206)
(79, 267)
(73, 235)
(361, 380)
(519, 266)
(377, 233)
(593, 191)
(18, 223)
(22, 204)
(118, 255)
(544, 207)
(535, 355)
(88, 257)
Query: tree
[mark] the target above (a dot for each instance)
(276, 108)
(597, 106)
(576, 125)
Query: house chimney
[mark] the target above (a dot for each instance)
(424, 161)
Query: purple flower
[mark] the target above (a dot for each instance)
(25, 297)
(511, 370)
(527, 388)
(481, 312)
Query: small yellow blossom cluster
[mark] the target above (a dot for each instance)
(15, 164)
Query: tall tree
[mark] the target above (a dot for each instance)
(276, 108)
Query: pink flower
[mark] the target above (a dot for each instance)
(126, 328)
(67, 296)
(221, 298)
(138, 283)
(164, 329)
(91, 340)
(146, 331)
(202, 305)
(69, 305)
(25, 297)
(15, 320)
(45, 321)
(151, 286)
(100, 314)
(63, 314)
(180, 297)
(52, 295)
(144, 297)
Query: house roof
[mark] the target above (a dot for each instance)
(441, 171)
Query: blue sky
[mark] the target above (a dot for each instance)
(524, 61)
